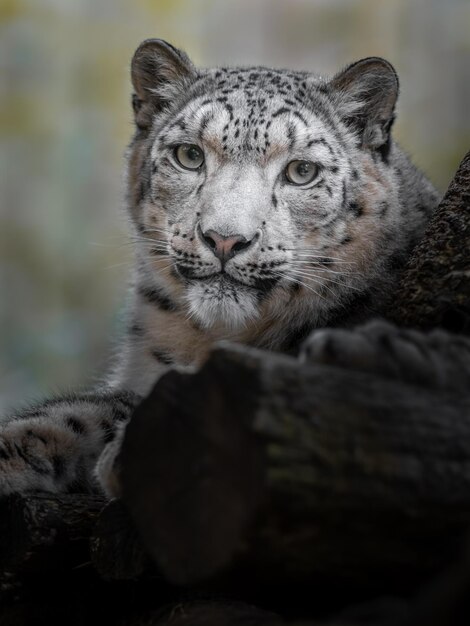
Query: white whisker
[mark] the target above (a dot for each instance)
(324, 260)
(299, 282)
(311, 274)
(156, 230)
(162, 269)
(316, 280)
(124, 263)
(313, 267)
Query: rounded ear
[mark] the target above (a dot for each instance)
(365, 94)
(159, 74)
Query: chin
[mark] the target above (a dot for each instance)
(220, 302)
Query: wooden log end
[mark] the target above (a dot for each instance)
(192, 470)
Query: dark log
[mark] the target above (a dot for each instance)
(204, 613)
(266, 464)
(46, 532)
(435, 287)
(446, 600)
(196, 469)
(42, 532)
(116, 550)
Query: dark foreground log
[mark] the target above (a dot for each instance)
(290, 482)
(294, 478)
(46, 532)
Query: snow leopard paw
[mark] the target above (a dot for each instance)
(108, 469)
(437, 359)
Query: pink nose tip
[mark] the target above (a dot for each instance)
(224, 247)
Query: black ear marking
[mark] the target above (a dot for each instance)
(159, 72)
(365, 94)
(136, 103)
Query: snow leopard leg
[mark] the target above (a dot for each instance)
(107, 470)
(436, 359)
(54, 446)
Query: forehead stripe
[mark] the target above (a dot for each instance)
(281, 111)
(323, 142)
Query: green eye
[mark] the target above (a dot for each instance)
(301, 172)
(189, 156)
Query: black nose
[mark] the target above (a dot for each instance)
(222, 246)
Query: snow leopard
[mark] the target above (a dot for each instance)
(268, 207)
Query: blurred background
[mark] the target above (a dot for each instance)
(65, 121)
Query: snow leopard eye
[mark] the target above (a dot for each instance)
(301, 172)
(189, 156)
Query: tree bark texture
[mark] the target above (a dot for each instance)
(435, 287)
(46, 532)
(298, 480)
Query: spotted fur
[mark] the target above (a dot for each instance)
(309, 256)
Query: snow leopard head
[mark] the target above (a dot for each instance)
(253, 189)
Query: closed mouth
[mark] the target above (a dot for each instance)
(264, 284)
(222, 276)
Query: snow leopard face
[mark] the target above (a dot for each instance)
(255, 189)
